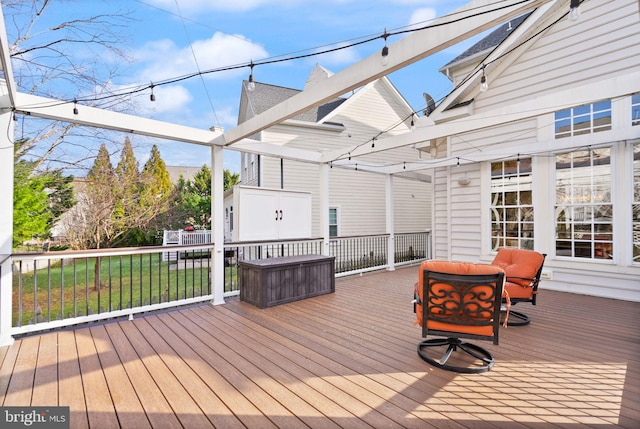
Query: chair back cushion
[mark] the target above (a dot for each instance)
(460, 297)
(520, 265)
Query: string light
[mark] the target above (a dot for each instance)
(75, 106)
(273, 60)
(574, 10)
(413, 124)
(251, 85)
(152, 97)
(483, 81)
(384, 58)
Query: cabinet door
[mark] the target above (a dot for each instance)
(259, 215)
(295, 221)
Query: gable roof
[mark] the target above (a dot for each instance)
(490, 41)
(265, 96)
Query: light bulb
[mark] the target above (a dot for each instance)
(384, 59)
(483, 84)
(251, 85)
(574, 10)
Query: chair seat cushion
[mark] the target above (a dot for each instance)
(520, 265)
(518, 291)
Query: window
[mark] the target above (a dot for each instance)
(333, 222)
(586, 119)
(583, 208)
(511, 204)
(635, 208)
(635, 109)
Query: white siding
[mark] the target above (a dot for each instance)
(601, 45)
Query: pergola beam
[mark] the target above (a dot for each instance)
(617, 86)
(414, 47)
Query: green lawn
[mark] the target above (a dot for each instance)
(125, 282)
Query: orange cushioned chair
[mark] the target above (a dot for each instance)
(458, 300)
(523, 269)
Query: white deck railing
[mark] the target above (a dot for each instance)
(57, 289)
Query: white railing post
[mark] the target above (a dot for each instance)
(6, 224)
(324, 208)
(217, 224)
(391, 243)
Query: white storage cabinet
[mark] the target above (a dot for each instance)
(270, 214)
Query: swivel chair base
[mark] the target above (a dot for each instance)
(517, 319)
(454, 344)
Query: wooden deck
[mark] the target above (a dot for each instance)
(341, 360)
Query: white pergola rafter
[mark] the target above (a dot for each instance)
(588, 93)
(412, 48)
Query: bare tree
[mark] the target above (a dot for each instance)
(77, 58)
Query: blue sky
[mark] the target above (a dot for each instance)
(171, 38)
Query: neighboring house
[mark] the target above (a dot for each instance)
(566, 181)
(356, 197)
(187, 173)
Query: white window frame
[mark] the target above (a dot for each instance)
(581, 202)
(635, 109)
(337, 209)
(635, 204)
(583, 119)
(517, 182)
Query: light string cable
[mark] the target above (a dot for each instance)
(463, 82)
(272, 60)
(195, 59)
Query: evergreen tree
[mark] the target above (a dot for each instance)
(128, 190)
(197, 201)
(31, 216)
(100, 185)
(156, 181)
(40, 198)
(230, 179)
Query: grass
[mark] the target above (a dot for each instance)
(124, 282)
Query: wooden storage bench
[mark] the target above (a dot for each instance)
(268, 282)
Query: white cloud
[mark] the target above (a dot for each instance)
(190, 6)
(170, 98)
(162, 59)
(422, 16)
(337, 58)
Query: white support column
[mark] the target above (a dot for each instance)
(6, 226)
(390, 221)
(217, 224)
(324, 207)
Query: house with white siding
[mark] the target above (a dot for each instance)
(356, 196)
(563, 176)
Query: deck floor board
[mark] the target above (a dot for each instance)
(341, 360)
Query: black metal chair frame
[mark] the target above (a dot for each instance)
(463, 286)
(522, 319)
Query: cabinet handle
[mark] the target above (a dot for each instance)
(276, 214)
(280, 214)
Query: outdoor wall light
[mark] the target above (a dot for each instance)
(464, 180)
